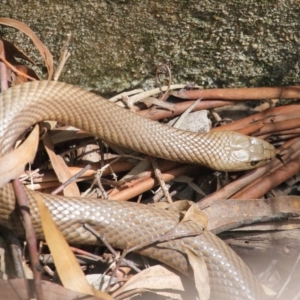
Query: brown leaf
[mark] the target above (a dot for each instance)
(154, 279)
(12, 164)
(12, 52)
(61, 169)
(16, 289)
(44, 51)
(200, 273)
(195, 214)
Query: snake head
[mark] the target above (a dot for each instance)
(249, 152)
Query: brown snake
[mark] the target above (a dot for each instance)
(127, 224)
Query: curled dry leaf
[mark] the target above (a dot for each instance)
(189, 210)
(154, 279)
(200, 273)
(61, 169)
(16, 289)
(195, 214)
(19, 72)
(44, 51)
(12, 164)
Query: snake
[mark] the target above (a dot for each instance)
(126, 224)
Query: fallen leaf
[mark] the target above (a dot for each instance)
(12, 164)
(44, 51)
(155, 279)
(61, 169)
(16, 289)
(200, 273)
(195, 214)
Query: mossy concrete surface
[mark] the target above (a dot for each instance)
(116, 45)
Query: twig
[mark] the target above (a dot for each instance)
(71, 179)
(152, 92)
(149, 183)
(162, 183)
(163, 69)
(102, 190)
(109, 247)
(169, 235)
(178, 108)
(241, 94)
(179, 121)
(125, 94)
(64, 55)
(3, 70)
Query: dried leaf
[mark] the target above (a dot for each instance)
(61, 169)
(200, 273)
(101, 282)
(154, 279)
(16, 289)
(12, 164)
(12, 52)
(195, 214)
(189, 210)
(44, 51)
(70, 272)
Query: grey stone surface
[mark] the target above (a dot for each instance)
(117, 44)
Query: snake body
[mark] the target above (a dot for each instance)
(127, 224)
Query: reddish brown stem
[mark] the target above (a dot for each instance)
(30, 237)
(151, 182)
(284, 92)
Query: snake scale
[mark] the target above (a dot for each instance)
(126, 224)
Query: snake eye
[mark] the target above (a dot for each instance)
(254, 162)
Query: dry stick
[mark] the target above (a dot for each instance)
(281, 136)
(125, 94)
(189, 109)
(279, 126)
(102, 190)
(267, 128)
(159, 178)
(264, 117)
(64, 55)
(154, 91)
(250, 178)
(157, 114)
(286, 92)
(290, 151)
(70, 180)
(103, 240)
(163, 69)
(274, 179)
(30, 237)
(151, 182)
(109, 247)
(50, 176)
(3, 70)
(164, 166)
